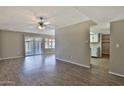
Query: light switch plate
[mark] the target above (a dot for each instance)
(117, 45)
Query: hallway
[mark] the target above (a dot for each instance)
(44, 70)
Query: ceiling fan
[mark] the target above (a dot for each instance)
(42, 24)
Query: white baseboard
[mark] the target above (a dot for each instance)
(73, 63)
(11, 57)
(116, 74)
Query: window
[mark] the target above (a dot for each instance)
(49, 43)
(53, 43)
(46, 43)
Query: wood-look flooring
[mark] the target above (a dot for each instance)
(44, 70)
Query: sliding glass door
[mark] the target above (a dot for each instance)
(37, 46)
(33, 46)
(29, 46)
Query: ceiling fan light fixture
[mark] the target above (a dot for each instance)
(41, 28)
(43, 24)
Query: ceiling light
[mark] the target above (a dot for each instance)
(41, 27)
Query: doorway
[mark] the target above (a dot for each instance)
(100, 47)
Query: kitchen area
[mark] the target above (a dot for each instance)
(100, 46)
(100, 41)
(95, 44)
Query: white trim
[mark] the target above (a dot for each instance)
(73, 63)
(11, 57)
(116, 74)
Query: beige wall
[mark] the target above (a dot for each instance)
(117, 54)
(0, 45)
(72, 43)
(12, 43)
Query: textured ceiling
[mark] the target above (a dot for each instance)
(25, 18)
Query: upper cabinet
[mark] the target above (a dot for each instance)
(94, 37)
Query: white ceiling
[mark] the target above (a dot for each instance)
(103, 14)
(25, 18)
